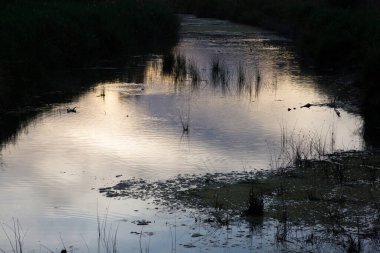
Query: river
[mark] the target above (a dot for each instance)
(222, 101)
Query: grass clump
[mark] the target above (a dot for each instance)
(15, 236)
(255, 204)
(220, 75)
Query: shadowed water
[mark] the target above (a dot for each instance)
(221, 101)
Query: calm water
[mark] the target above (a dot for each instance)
(232, 84)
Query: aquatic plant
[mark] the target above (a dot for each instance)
(258, 83)
(220, 75)
(179, 69)
(15, 236)
(255, 204)
(242, 82)
(194, 75)
(107, 236)
(218, 203)
(299, 148)
(185, 123)
(185, 118)
(168, 62)
(282, 228)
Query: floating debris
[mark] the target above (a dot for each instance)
(308, 105)
(69, 110)
(142, 222)
(189, 245)
(337, 112)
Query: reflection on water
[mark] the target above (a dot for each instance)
(236, 88)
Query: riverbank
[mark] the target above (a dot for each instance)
(39, 39)
(72, 33)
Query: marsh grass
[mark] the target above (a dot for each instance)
(343, 209)
(181, 71)
(195, 76)
(220, 75)
(241, 78)
(255, 206)
(185, 113)
(184, 72)
(218, 203)
(244, 81)
(258, 83)
(298, 148)
(185, 121)
(15, 236)
(106, 235)
(282, 228)
(179, 68)
(186, 78)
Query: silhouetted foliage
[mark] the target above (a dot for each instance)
(55, 34)
(38, 38)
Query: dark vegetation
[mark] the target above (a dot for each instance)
(39, 39)
(330, 203)
(339, 195)
(337, 35)
(60, 33)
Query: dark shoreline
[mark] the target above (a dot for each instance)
(48, 48)
(43, 40)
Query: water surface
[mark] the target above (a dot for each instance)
(238, 88)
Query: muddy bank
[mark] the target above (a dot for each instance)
(335, 200)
